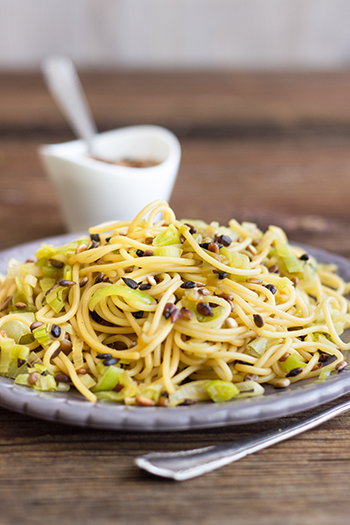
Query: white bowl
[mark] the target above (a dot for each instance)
(91, 191)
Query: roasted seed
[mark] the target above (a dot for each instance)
(192, 228)
(110, 361)
(258, 320)
(151, 280)
(168, 310)
(55, 330)
(295, 372)
(52, 288)
(204, 309)
(130, 282)
(83, 281)
(103, 356)
(252, 249)
(66, 346)
(304, 257)
(95, 237)
(188, 284)
(163, 400)
(82, 371)
(295, 281)
(107, 280)
(140, 253)
(20, 305)
(33, 378)
(223, 239)
(56, 263)
(148, 253)
(221, 275)
(62, 378)
(175, 315)
(30, 260)
(94, 244)
(130, 269)
(281, 383)
(80, 249)
(226, 296)
(56, 353)
(118, 388)
(273, 268)
(65, 282)
(284, 357)
(271, 287)
(36, 324)
(137, 315)
(324, 357)
(253, 280)
(145, 286)
(231, 323)
(148, 240)
(204, 291)
(341, 365)
(144, 401)
(213, 247)
(20, 362)
(186, 315)
(5, 303)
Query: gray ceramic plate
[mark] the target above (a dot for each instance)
(72, 408)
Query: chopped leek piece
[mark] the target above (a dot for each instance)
(249, 389)
(87, 380)
(195, 392)
(55, 299)
(323, 375)
(291, 262)
(7, 346)
(258, 346)
(236, 259)
(220, 391)
(46, 283)
(169, 236)
(136, 296)
(109, 379)
(153, 392)
(15, 329)
(293, 361)
(67, 272)
(42, 335)
(49, 252)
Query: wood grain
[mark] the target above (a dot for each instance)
(267, 148)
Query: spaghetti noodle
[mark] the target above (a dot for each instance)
(168, 312)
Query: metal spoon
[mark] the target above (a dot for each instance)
(63, 82)
(189, 464)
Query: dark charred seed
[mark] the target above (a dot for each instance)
(94, 244)
(20, 362)
(192, 228)
(273, 268)
(95, 237)
(223, 239)
(99, 278)
(55, 330)
(65, 282)
(188, 284)
(108, 239)
(36, 324)
(45, 373)
(138, 315)
(148, 253)
(83, 281)
(258, 320)
(295, 372)
(168, 309)
(20, 305)
(145, 286)
(304, 257)
(62, 378)
(110, 361)
(56, 263)
(213, 305)
(271, 287)
(130, 282)
(324, 357)
(140, 253)
(118, 388)
(5, 303)
(205, 245)
(221, 275)
(103, 356)
(204, 309)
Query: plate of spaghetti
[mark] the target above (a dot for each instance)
(166, 324)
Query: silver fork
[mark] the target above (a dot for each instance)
(189, 464)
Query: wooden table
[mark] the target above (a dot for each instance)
(270, 148)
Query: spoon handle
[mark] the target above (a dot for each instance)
(64, 84)
(188, 464)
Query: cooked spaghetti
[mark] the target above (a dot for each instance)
(168, 312)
